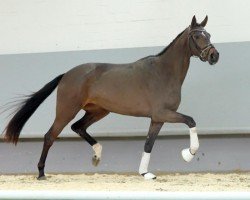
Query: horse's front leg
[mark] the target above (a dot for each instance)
(175, 117)
(154, 129)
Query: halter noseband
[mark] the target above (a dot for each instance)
(203, 52)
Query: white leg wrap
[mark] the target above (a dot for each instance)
(144, 163)
(98, 150)
(194, 142)
(143, 169)
(188, 153)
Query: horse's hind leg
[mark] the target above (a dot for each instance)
(63, 117)
(81, 126)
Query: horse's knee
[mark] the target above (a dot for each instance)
(190, 122)
(76, 127)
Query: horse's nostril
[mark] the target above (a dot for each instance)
(212, 56)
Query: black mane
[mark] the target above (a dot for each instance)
(167, 47)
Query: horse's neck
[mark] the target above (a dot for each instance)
(177, 58)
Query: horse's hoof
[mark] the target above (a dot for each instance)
(149, 176)
(187, 155)
(41, 178)
(95, 160)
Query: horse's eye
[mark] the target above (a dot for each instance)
(196, 37)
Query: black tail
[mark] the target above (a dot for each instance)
(26, 109)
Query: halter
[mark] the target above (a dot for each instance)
(203, 52)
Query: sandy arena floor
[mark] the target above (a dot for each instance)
(119, 182)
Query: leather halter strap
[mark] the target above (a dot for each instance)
(203, 52)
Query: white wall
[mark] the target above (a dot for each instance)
(218, 98)
(30, 26)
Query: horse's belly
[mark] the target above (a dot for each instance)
(120, 91)
(133, 108)
(124, 103)
(132, 111)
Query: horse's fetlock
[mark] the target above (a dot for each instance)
(97, 149)
(194, 148)
(40, 166)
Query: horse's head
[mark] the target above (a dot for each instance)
(199, 42)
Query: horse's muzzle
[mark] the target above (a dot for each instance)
(213, 56)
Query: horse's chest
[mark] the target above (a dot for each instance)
(169, 99)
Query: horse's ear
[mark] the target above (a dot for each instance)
(193, 23)
(204, 22)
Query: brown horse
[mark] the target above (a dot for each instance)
(149, 87)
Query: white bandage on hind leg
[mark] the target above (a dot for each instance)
(98, 150)
(188, 154)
